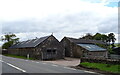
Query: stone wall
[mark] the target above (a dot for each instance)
(96, 54)
(96, 60)
(114, 56)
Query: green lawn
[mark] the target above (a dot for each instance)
(21, 57)
(103, 67)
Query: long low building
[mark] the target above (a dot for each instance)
(83, 48)
(40, 48)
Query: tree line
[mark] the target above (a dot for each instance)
(108, 39)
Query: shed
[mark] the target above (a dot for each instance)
(83, 48)
(93, 50)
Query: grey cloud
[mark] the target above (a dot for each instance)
(70, 23)
(109, 25)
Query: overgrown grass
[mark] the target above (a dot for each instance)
(21, 57)
(102, 67)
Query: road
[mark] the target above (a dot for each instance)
(15, 65)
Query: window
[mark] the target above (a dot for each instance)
(51, 51)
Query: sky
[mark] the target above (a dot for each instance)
(29, 19)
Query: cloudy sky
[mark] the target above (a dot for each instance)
(73, 18)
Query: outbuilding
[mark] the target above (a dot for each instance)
(83, 48)
(43, 48)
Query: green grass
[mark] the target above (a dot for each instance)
(102, 67)
(21, 57)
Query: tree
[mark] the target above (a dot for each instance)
(97, 36)
(9, 40)
(8, 37)
(6, 45)
(111, 39)
(87, 36)
(104, 38)
(101, 37)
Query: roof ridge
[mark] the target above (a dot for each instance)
(75, 40)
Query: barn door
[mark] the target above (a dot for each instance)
(51, 53)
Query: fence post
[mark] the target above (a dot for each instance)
(28, 56)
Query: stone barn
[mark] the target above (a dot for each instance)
(83, 48)
(40, 48)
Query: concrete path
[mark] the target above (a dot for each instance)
(66, 62)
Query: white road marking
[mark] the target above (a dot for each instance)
(1, 60)
(14, 66)
(55, 65)
(43, 63)
(69, 68)
(22, 59)
(32, 61)
(37, 62)
(89, 72)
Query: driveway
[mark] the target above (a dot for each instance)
(66, 62)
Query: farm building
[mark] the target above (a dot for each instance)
(40, 48)
(83, 48)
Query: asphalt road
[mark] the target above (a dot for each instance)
(15, 65)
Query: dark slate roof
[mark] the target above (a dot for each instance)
(29, 43)
(85, 41)
(91, 47)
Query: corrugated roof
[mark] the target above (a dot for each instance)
(91, 47)
(85, 41)
(29, 43)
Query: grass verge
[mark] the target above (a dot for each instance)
(102, 67)
(21, 57)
